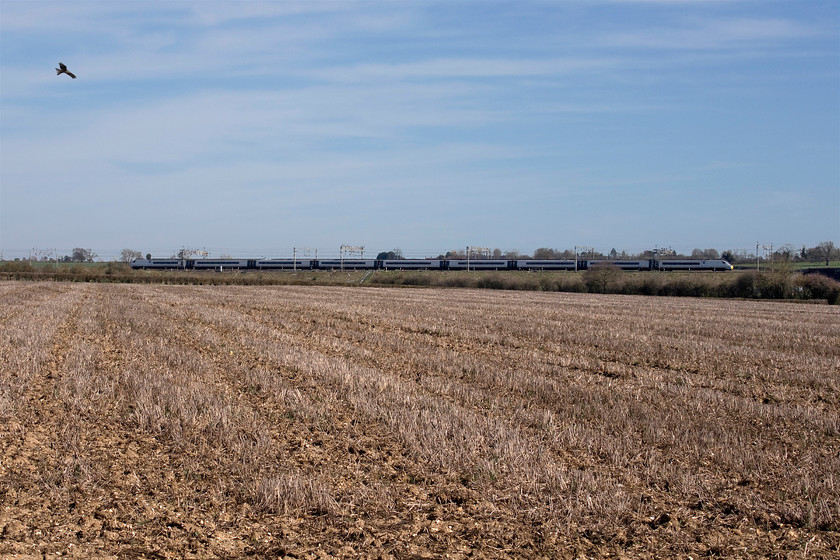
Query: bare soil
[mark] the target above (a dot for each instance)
(152, 421)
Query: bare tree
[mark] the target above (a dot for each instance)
(128, 255)
(83, 255)
(601, 277)
(825, 251)
(705, 254)
(395, 253)
(545, 254)
(455, 254)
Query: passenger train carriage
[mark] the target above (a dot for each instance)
(219, 264)
(643, 264)
(411, 264)
(346, 264)
(282, 264)
(481, 264)
(547, 265)
(695, 264)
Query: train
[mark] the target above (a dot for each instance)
(426, 264)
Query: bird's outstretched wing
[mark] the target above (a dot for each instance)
(62, 69)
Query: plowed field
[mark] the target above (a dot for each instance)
(151, 421)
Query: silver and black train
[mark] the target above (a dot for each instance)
(424, 264)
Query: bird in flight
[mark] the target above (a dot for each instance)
(62, 69)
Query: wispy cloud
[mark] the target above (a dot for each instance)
(704, 33)
(464, 68)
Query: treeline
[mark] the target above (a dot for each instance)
(749, 284)
(822, 252)
(779, 282)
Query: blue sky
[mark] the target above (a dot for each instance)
(249, 128)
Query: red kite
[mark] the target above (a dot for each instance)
(62, 69)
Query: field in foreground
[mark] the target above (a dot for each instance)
(152, 421)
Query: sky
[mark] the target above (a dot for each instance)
(253, 129)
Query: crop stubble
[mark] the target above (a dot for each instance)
(308, 421)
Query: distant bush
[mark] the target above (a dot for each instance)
(414, 280)
(16, 266)
(686, 287)
(774, 285)
(745, 285)
(112, 268)
(455, 281)
(649, 285)
(547, 284)
(817, 286)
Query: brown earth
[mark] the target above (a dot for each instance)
(313, 422)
